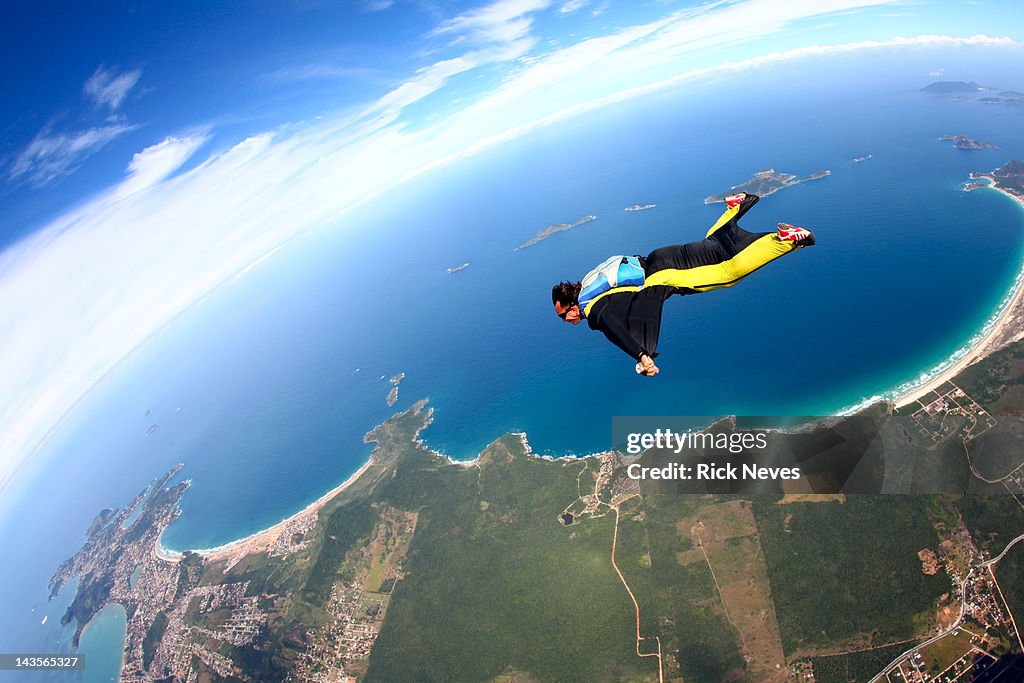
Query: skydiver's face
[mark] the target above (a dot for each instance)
(570, 314)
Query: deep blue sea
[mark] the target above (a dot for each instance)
(265, 389)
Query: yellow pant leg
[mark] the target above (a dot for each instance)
(761, 251)
(726, 217)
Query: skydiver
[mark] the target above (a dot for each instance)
(623, 297)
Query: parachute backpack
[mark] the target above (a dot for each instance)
(615, 273)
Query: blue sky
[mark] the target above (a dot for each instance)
(91, 84)
(152, 150)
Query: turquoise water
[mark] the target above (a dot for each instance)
(102, 644)
(256, 389)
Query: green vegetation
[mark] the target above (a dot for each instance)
(89, 599)
(1009, 573)
(152, 639)
(993, 521)
(997, 382)
(503, 581)
(856, 666)
(843, 572)
(342, 530)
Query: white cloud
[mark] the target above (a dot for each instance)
(937, 73)
(570, 6)
(92, 286)
(108, 88)
(427, 81)
(54, 155)
(156, 163)
(500, 22)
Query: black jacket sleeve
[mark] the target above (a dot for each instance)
(630, 320)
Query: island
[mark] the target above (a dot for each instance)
(766, 182)
(951, 87)
(393, 392)
(553, 229)
(639, 207)
(964, 142)
(461, 266)
(858, 160)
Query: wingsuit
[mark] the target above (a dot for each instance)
(630, 316)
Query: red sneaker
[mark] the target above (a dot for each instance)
(734, 200)
(791, 233)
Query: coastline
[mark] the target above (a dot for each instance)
(1007, 327)
(265, 538)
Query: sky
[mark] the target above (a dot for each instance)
(152, 151)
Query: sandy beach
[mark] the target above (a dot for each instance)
(1006, 329)
(265, 539)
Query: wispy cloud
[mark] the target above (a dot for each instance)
(504, 21)
(318, 72)
(106, 87)
(51, 156)
(570, 6)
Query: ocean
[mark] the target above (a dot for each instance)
(265, 388)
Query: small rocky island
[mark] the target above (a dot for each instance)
(461, 266)
(554, 228)
(393, 394)
(964, 142)
(766, 182)
(639, 207)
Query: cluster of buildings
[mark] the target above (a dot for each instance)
(936, 420)
(343, 646)
(180, 642)
(293, 536)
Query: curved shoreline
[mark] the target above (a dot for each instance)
(264, 538)
(1005, 327)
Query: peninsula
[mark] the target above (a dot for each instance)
(553, 229)
(766, 182)
(1008, 179)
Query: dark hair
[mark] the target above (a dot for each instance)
(566, 293)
